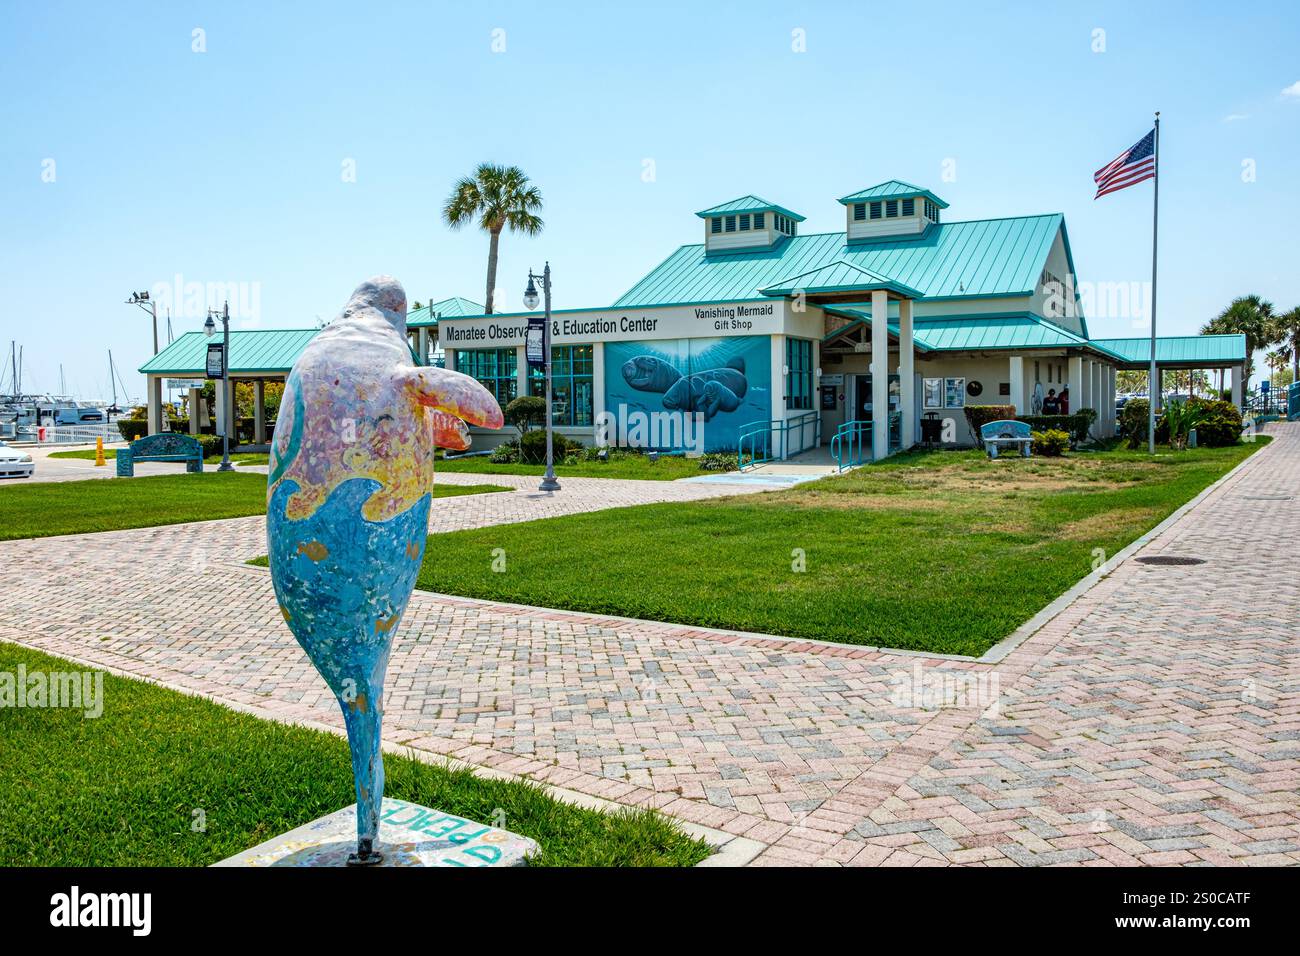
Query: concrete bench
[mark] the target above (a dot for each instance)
(165, 446)
(1011, 433)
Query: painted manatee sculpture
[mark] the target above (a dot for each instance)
(348, 495)
(709, 392)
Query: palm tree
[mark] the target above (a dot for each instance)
(1251, 316)
(497, 197)
(1288, 328)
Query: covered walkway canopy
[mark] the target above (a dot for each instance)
(1181, 352)
(256, 356)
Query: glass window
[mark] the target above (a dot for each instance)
(496, 370)
(731, 224)
(859, 211)
(875, 210)
(759, 218)
(891, 208)
(715, 224)
(799, 383)
(744, 222)
(909, 207)
(571, 385)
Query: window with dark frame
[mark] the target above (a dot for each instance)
(715, 225)
(731, 224)
(799, 382)
(909, 207)
(495, 369)
(571, 384)
(876, 210)
(859, 211)
(744, 222)
(891, 208)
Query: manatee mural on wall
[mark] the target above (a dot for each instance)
(723, 380)
(351, 469)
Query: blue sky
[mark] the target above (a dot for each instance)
(227, 165)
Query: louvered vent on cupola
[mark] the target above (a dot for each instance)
(891, 209)
(747, 223)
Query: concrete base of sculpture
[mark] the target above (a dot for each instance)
(409, 835)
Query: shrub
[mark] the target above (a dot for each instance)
(1221, 425)
(1076, 424)
(717, 461)
(211, 444)
(1052, 443)
(132, 428)
(1180, 418)
(506, 453)
(977, 416)
(532, 447)
(524, 412)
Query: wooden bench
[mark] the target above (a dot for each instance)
(165, 446)
(997, 434)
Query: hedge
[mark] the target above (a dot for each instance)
(977, 416)
(1222, 425)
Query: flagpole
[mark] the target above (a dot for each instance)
(1153, 383)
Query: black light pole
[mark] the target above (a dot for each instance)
(227, 400)
(549, 483)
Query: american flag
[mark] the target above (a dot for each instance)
(1135, 164)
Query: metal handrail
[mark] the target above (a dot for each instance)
(854, 438)
(772, 438)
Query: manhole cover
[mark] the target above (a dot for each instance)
(1266, 497)
(1167, 559)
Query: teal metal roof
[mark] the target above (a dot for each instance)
(893, 189)
(252, 350)
(748, 204)
(428, 315)
(1193, 350)
(1003, 330)
(838, 276)
(975, 332)
(983, 257)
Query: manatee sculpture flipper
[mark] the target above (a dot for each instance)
(348, 507)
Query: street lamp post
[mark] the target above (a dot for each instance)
(227, 402)
(549, 482)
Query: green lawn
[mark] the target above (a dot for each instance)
(668, 468)
(239, 458)
(39, 509)
(122, 789)
(937, 551)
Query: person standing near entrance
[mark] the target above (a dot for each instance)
(1065, 400)
(1051, 404)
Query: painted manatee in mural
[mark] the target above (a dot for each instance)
(348, 497)
(709, 392)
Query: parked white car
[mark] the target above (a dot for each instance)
(14, 462)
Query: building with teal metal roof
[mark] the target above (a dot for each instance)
(757, 327)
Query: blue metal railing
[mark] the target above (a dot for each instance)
(852, 444)
(778, 439)
(1293, 402)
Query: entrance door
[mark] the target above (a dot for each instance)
(862, 398)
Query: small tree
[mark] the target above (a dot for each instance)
(525, 412)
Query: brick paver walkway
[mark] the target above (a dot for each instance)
(1156, 720)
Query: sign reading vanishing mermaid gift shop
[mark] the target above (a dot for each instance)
(675, 322)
